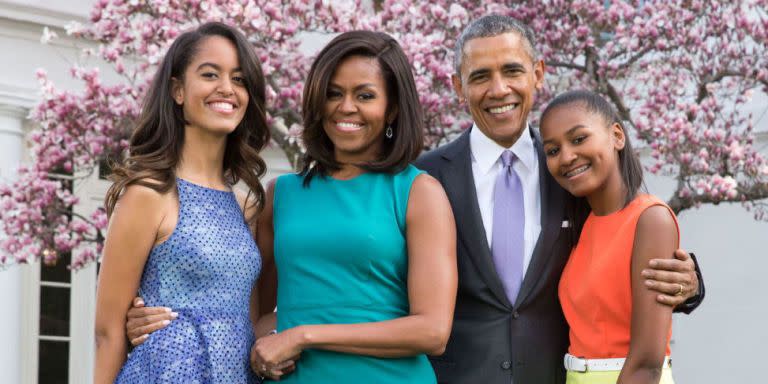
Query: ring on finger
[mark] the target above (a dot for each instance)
(262, 373)
(680, 290)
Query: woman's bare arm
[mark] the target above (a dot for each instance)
(432, 284)
(656, 237)
(264, 295)
(133, 230)
(265, 236)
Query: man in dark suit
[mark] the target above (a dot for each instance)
(508, 325)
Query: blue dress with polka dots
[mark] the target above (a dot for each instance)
(204, 271)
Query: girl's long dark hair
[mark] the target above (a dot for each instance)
(155, 146)
(577, 208)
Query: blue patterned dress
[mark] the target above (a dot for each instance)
(204, 271)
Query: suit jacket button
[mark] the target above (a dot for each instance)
(506, 364)
(515, 314)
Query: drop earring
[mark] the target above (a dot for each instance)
(389, 133)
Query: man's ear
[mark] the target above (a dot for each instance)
(177, 91)
(539, 68)
(619, 138)
(457, 87)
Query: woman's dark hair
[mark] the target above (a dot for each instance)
(629, 163)
(408, 140)
(156, 143)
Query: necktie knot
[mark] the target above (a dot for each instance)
(507, 157)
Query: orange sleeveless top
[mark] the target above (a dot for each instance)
(595, 289)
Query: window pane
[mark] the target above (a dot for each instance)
(58, 272)
(54, 311)
(53, 362)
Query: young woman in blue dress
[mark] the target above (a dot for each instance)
(363, 242)
(178, 234)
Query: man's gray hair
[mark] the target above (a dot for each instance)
(489, 26)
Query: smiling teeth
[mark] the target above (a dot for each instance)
(349, 125)
(502, 109)
(222, 106)
(576, 171)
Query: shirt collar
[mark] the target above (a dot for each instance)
(486, 152)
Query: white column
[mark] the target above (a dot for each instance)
(83, 305)
(11, 324)
(83, 308)
(11, 139)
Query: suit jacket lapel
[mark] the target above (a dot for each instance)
(552, 201)
(459, 184)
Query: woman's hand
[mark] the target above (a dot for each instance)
(431, 285)
(277, 372)
(275, 355)
(140, 321)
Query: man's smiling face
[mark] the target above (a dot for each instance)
(499, 80)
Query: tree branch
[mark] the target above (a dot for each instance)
(613, 94)
(562, 64)
(607, 88)
(703, 92)
(757, 191)
(635, 58)
(59, 176)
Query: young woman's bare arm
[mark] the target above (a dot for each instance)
(133, 230)
(264, 295)
(246, 203)
(432, 284)
(656, 237)
(265, 236)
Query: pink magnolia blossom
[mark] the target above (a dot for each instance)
(678, 72)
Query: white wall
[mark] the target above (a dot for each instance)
(11, 280)
(723, 340)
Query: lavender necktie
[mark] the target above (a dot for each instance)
(508, 227)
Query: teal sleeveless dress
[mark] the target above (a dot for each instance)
(341, 257)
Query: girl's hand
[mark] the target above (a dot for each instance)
(276, 352)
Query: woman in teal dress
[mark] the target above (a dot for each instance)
(363, 242)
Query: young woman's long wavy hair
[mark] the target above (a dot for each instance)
(155, 146)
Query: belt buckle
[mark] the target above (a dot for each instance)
(575, 364)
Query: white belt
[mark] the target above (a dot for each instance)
(573, 363)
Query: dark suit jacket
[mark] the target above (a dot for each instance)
(493, 340)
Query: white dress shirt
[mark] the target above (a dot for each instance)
(486, 164)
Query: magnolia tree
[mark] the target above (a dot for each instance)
(679, 73)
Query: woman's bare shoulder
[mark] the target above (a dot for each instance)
(141, 198)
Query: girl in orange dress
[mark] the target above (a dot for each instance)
(618, 331)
